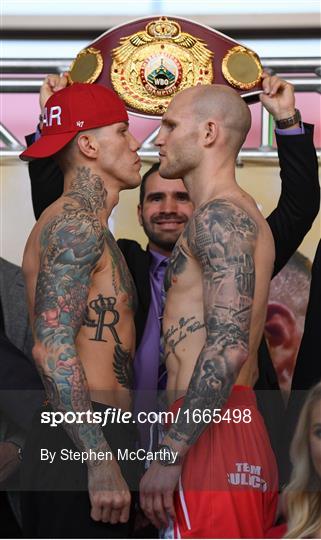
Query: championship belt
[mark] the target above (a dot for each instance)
(148, 61)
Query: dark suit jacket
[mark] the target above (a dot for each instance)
(19, 379)
(289, 222)
(14, 307)
(307, 371)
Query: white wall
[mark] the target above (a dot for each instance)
(17, 217)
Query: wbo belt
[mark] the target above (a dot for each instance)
(148, 61)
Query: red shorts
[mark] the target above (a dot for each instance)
(229, 482)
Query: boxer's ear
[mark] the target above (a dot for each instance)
(283, 338)
(88, 144)
(280, 325)
(210, 132)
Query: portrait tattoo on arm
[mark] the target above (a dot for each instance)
(71, 244)
(222, 237)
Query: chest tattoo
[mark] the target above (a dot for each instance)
(176, 266)
(102, 306)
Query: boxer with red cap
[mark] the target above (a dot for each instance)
(78, 108)
(82, 303)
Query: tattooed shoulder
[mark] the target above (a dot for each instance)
(223, 241)
(69, 250)
(220, 229)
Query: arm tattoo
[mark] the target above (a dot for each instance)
(222, 238)
(71, 245)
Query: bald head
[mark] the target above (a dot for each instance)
(222, 105)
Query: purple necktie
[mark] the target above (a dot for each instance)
(147, 366)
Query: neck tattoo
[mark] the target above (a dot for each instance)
(88, 190)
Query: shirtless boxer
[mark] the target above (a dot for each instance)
(217, 289)
(82, 302)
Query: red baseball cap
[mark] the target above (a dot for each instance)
(78, 107)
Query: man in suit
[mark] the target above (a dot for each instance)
(307, 372)
(14, 307)
(17, 372)
(20, 385)
(289, 222)
(163, 211)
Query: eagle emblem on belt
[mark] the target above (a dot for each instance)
(151, 66)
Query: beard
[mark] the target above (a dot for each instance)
(170, 171)
(182, 158)
(163, 239)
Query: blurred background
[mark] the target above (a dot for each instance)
(44, 36)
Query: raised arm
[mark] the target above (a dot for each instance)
(299, 201)
(46, 177)
(71, 246)
(222, 238)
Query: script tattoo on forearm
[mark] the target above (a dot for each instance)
(222, 237)
(71, 245)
